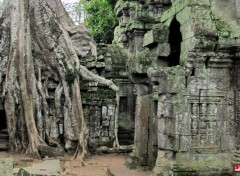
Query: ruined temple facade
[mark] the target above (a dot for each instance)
(183, 59)
(177, 65)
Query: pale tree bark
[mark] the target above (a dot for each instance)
(116, 142)
(39, 42)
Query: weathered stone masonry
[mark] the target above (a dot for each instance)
(100, 103)
(183, 60)
(177, 66)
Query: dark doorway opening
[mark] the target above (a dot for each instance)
(3, 121)
(174, 39)
(3, 130)
(126, 121)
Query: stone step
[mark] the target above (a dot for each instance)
(125, 142)
(121, 149)
(3, 146)
(4, 136)
(3, 140)
(4, 131)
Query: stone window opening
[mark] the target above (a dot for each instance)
(174, 39)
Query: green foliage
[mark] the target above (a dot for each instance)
(70, 75)
(100, 19)
(100, 94)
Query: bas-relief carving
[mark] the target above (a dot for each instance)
(237, 117)
(207, 116)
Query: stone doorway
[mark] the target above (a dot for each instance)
(3, 124)
(126, 121)
(3, 130)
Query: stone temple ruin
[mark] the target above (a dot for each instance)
(184, 68)
(177, 64)
(181, 75)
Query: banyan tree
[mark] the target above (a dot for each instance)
(39, 42)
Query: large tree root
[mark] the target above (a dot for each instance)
(36, 47)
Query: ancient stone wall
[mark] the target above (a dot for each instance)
(100, 104)
(177, 65)
(183, 60)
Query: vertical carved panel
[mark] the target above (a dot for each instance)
(237, 115)
(207, 120)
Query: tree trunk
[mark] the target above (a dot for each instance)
(39, 42)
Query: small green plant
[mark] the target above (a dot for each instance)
(70, 75)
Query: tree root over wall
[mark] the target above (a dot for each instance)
(36, 46)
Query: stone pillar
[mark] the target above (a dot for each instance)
(142, 114)
(164, 115)
(153, 133)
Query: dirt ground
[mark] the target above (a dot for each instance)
(96, 165)
(102, 165)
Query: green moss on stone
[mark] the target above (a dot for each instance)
(100, 94)
(205, 167)
(70, 75)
